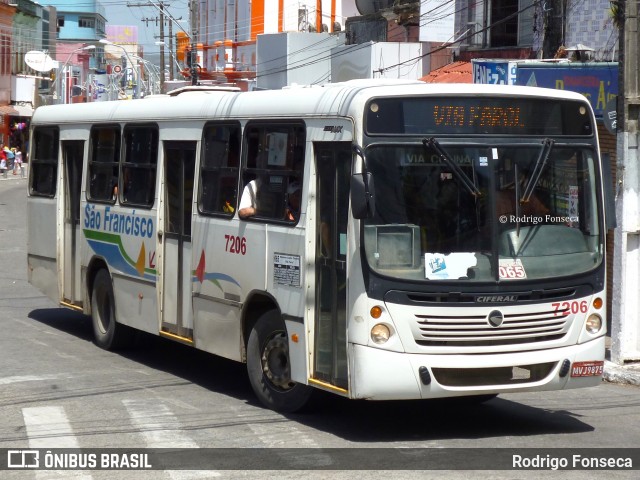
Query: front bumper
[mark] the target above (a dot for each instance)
(377, 374)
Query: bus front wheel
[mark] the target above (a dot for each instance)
(107, 332)
(269, 367)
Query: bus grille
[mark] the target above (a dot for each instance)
(482, 377)
(467, 330)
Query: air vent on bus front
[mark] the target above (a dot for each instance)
(475, 330)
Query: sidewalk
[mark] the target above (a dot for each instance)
(11, 176)
(627, 374)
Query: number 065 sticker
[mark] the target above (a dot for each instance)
(511, 269)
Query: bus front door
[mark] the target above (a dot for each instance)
(333, 163)
(72, 157)
(176, 305)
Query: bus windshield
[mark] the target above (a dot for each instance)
(482, 213)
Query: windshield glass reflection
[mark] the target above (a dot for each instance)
(483, 213)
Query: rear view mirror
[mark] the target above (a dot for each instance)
(362, 195)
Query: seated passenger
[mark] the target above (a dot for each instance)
(248, 202)
(294, 195)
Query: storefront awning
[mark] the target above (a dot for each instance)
(16, 110)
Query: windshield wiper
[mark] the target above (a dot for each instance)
(433, 144)
(547, 145)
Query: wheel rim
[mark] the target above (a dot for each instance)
(275, 362)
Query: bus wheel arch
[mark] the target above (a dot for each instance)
(268, 364)
(256, 304)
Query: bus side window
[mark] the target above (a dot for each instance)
(271, 197)
(275, 159)
(139, 165)
(293, 200)
(219, 169)
(44, 164)
(104, 159)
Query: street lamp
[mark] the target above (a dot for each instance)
(54, 87)
(134, 68)
(154, 84)
(163, 44)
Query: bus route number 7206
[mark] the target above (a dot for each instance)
(566, 308)
(235, 244)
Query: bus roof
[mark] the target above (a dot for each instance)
(298, 101)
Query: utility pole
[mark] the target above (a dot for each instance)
(159, 6)
(625, 336)
(194, 42)
(162, 62)
(171, 49)
(553, 27)
(165, 13)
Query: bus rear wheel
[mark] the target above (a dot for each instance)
(269, 367)
(107, 332)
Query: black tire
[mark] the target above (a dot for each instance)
(107, 332)
(269, 368)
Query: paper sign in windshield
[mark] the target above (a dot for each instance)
(511, 269)
(439, 266)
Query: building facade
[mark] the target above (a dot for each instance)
(225, 33)
(78, 22)
(79, 28)
(6, 45)
(514, 29)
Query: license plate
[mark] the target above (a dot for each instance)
(587, 369)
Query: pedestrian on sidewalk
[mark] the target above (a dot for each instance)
(17, 163)
(3, 161)
(9, 156)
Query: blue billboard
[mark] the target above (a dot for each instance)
(596, 81)
(497, 72)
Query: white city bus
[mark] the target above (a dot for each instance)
(450, 240)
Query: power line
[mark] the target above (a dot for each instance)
(465, 37)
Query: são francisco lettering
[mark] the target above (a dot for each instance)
(476, 116)
(112, 222)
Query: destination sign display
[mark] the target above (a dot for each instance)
(477, 116)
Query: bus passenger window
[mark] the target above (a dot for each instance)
(219, 169)
(139, 165)
(45, 161)
(294, 186)
(104, 159)
(273, 172)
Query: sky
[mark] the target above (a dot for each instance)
(118, 12)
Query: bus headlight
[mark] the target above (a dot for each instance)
(593, 324)
(380, 333)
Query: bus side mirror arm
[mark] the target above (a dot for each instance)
(363, 204)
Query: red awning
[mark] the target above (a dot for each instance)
(16, 110)
(456, 72)
(7, 110)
